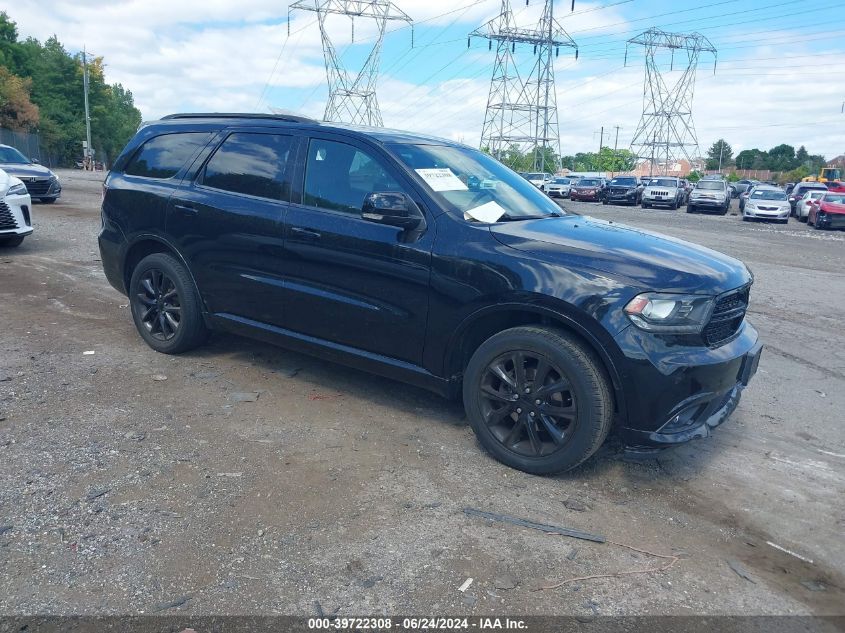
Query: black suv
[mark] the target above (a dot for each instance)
(429, 262)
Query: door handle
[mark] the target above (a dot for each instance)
(305, 234)
(186, 209)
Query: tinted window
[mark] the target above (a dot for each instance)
(339, 176)
(163, 156)
(11, 156)
(589, 182)
(631, 182)
(254, 164)
(711, 184)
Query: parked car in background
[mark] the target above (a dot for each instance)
(365, 246)
(623, 190)
(710, 195)
(767, 203)
(800, 189)
(741, 186)
(559, 187)
(40, 182)
(664, 191)
(802, 206)
(828, 211)
(788, 187)
(589, 189)
(15, 211)
(539, 179)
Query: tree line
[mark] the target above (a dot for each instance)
(791, 163)
(41, 91)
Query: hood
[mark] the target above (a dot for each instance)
(827, 207)
(30, 170)
(649, 260)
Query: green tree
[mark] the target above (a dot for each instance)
(17, 112)
(781, 158)
(719, 155)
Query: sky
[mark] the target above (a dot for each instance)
(778, 77)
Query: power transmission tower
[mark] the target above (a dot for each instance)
(522, 109)
(352, 99)
(666, 131)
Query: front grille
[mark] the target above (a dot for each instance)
(7, 220)
(727, 316)
(619, 191)
(659, 193)
(38, 187)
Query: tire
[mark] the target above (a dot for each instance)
(15, 240)
(47, 200)
(816, 225)
(174, 281)
(507, 428)
(604, 201)
(690, 208)
(644, 205)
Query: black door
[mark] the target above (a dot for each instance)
(352, 281)
(229, 225)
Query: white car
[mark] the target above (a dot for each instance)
(15, 210)
(802, 206)
(559, 188)
(539, 179)
(663, 191)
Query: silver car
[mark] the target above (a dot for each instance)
(802, 206)
(767, 203)
(663, 191)
(559, 188)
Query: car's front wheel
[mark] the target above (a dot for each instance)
(165, 305)
(537, 399)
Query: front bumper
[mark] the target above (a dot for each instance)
(15, 215)
(760, 214)
(629, 198)
(827, 220)
(707, 203)
(675, 393)
(579, 195)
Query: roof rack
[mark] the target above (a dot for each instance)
(293, 118)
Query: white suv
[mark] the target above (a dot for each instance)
(15, 211)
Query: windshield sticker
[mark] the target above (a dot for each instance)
(489, 212)
(442, 179)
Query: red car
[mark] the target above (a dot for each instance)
(586, 189)
(828, 212)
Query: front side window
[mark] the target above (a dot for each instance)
(163, 156)
(252, 164)
(339, 176)
(476, 185)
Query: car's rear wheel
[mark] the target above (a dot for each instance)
(537, 399)
(165, 305)
(644, 204)
(15, 240)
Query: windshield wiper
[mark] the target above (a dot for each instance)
(513, 218)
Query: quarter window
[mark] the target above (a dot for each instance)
(253, 164)
(339, 176)
(163, 156)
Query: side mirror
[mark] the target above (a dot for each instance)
(35, 161)
(392, 208)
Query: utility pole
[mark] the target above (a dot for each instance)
(721, 149)
(88, 153)
(522, 103)
(666, 124)
(615, 145)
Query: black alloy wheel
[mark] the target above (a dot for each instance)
(159, 301)
(528, 403)
(538, 399)
(165, 304)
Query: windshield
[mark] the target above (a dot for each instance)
(11, 156)
(474, 184)
(711, 184)
(588, 182)
(663, 182)
(630, 182)
(837, 198)
(536, 176)
(561, 181)
(768, 194)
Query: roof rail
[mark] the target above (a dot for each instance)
(293, 118)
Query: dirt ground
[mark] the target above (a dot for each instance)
(134, 482)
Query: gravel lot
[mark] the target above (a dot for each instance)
(135, 482)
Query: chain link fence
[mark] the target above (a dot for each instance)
(28, 144)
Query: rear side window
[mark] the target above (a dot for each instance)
(163, 156)
(253, 164)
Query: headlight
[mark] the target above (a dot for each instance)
(631, 190)
(750, 205)
(670, 313)
(17, 190)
